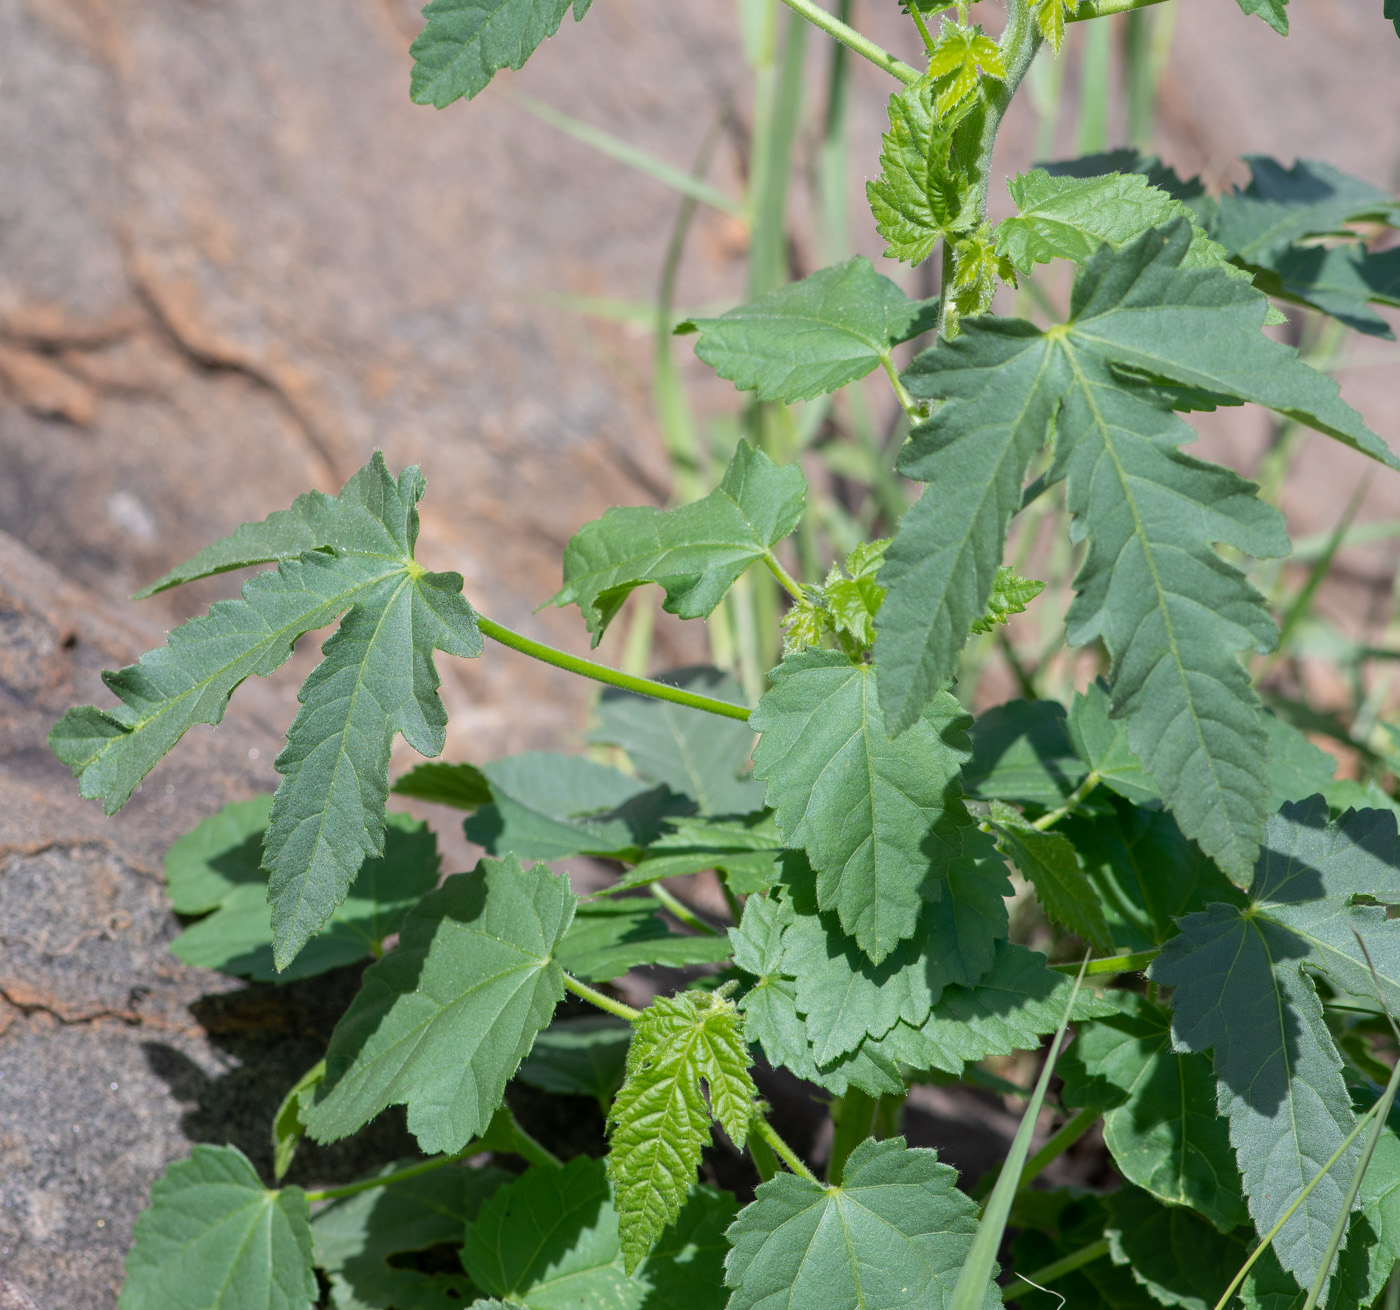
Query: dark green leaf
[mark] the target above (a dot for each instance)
(289, 1123)
(1297, 768)
(1021, 752)
(1063, 1224)
(441, 1023)
(547, 806)
(214, 1238)
(893, 1234)
(1271, 11)
(1102, 743)
(237, 937)
(462, 786)
(695, 552)
(692, 752)
(1338, 280)
(1240, 989)
(550, 1240)
(1048, 861)
(812, 336)
(580, 1057)
(358, 1236)
(878, 818)
(217, 857)
(747, 851)
(466, 41)
(1391, 10)
(660, 1119)
(1001, 387)
(1160, 1122)
(610, 936)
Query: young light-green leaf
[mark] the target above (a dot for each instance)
(442, 1022)
(466, 41)
(1160, 1122)
(694, 753)
(695, 552)
(878, 818)
(214, 1238)
(813, 336)
(660, 1122)
(1240, 989)
(895, 1233)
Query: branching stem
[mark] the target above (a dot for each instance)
(597, 998)
(601, 673)
(849, 37)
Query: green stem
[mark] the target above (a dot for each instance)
(1068, 1134)
(681, 910)
(906, 402)
(1072, 802)
(1106, 8)
(766, 1132)
(789, 583)
(1065, 1265)
(386, 1180)
(848, 36)
(1019, 43)
(922, 26)
(1288, 1214)
(601, 673)
(763, 1158)
(853, 1116)
(602, 1002)
(1134, 963)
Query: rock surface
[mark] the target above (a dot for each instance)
(233, 260)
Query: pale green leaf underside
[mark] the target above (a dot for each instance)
(610, 936)
(893, 1234)
(465, 42)
(695, 552)
(660, 1122)
(441, 1023)
(878, 818)
(214, 1238)
(811, 337)
(1240, 989)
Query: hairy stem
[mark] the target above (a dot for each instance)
(681, 910)
(1073, 801)
(1065, 1265)
(853, 1116)
(601, 673)
(906, 402)
(398, 1176)
(597, 998)
(788, 582)
(760, 1127)
(862, 45)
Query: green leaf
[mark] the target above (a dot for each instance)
(894, 1233)
(218, 857)
(462, 786)
(692, 752)
(1160, 1123)
(747, 851)
(328, 814)
(1240, 988)
(878, 818)
(580, 1057)
(357, 1238)
(466, 41)
(843, 998)
(214, 1238)
(1020, 752)
(1048, 861)
(1283, 205)
(1102, 743)
(609, 937)
(1000, 391)
(289, 1123)
(1011, 593)
(813, 336)
(659, 1121)
(1179, 1258)
(237, 937)
(441, 1023)
(550, 1241)
(547, 806)
(1271, 11)
(1337, 280)
(917, 198)
(1062, 1224)
(695, 552)
(1391, 10)
(1063, 217)
(956, 57)
(1050, 18)
(1297, 768)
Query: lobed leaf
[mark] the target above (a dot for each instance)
(695, 552)
(550, 1240)
(609, 937)
(442, 1022)
(893, 1233)
(1241, 990)
(878, 818)
(214, 1238)
(659, 1121)
(814, 336)
(466, 41)
(1011, 593)
(692, 752)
